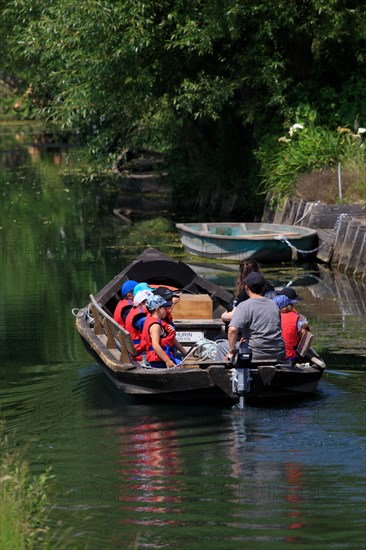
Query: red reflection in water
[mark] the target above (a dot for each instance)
(151, 464)
(294, 478)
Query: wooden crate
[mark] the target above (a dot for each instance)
(193, 306)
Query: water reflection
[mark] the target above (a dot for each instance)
(159, 476)
(266, 487)
(150, 462)
(349, 293)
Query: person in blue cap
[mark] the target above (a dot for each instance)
(124, 306)
(292, 324)
(141, 286)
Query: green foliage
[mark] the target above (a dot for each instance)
(127, 73)
(23, 503)
(309, 149)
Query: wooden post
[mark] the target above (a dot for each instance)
(360, 267)
(111, 344)
(98, 329)
(356, 248)
(339, 181)
(341, 232)
(348, 243)
(300, 212)
(285, 211)
(292, 213)
(124, 357)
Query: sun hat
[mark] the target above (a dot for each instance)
(141, 295)
(254, 278)
(157, 301)
(291, 293)
(282, 301)
(127, 287)
(141, 286)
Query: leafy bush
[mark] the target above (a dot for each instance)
(306, 161)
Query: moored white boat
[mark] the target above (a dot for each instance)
(240, 241)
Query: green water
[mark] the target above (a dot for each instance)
(133, 475)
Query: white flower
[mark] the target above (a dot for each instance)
(294, 128)
(361, 131)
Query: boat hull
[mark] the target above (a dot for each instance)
(210, 385)
(260, 241)
(184, 385)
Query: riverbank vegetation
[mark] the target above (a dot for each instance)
(212, 85)
(316, 163)
(23, 502)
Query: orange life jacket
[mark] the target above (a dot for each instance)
(169, 318)
(120, 309)
(289, 332)
(166, 340)
(134, 314)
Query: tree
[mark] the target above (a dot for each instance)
(190, 76)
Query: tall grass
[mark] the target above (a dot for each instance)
(23, 502)
(306, 164)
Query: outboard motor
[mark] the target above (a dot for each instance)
(240, 373)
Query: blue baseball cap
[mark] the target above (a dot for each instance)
(141, 286)
(156, 301)
(282, 301)
(127, 287)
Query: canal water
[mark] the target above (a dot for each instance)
(136, 475)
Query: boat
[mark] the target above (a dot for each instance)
(197, 318)
(242, 241)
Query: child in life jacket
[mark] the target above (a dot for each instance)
(135, 320)
(158, 338)
(123, 307)
(169, 296)
(292, 324)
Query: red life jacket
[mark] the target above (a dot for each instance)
(120, 309)
(289, 332)
(169, 317)
(134, 314)
(166, 340)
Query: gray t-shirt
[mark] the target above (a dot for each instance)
(259, 321)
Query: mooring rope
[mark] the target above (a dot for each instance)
(295, 250)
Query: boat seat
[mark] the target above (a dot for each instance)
(273, 362)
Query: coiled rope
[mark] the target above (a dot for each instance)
(203, 350)
(79, 313)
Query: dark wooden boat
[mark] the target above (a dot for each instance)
(198, 316)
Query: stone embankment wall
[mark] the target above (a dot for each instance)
(341, 229)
